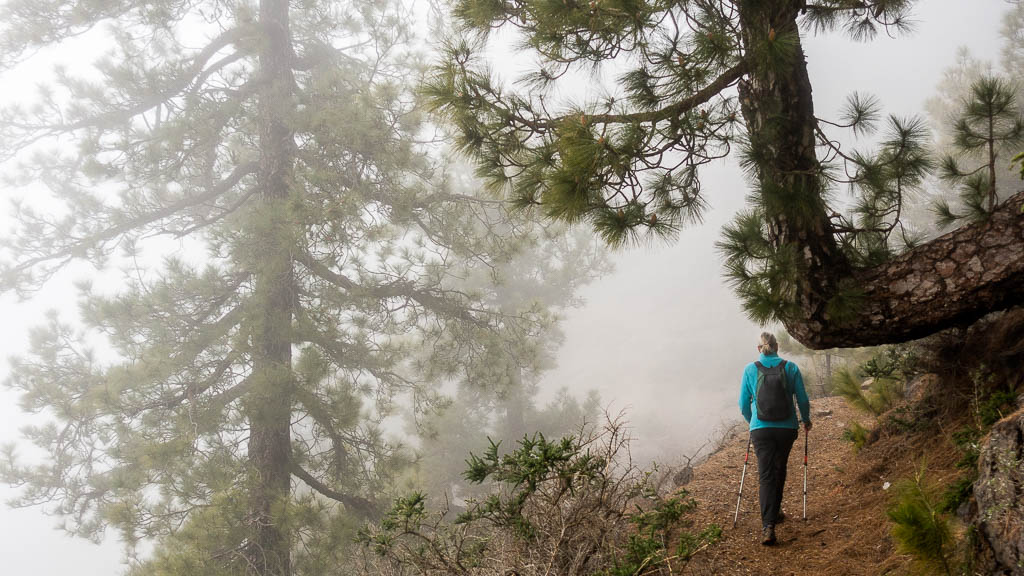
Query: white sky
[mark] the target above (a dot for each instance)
(662, 335)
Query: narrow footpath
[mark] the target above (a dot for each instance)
(846, 531)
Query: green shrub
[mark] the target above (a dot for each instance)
(886, 393)
(880, 397)
(919, 526)
(906, 419)
(957, 493)
(857, 434)
(898, 362)
(966, 440)
(620, 523)
(845, 383)
(646, 549)
(995, 407)
(690, 543)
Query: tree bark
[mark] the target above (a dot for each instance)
(778, 108)
(268, 405)
(952, 280)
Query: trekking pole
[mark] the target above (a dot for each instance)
(805, 474)
(742, 477)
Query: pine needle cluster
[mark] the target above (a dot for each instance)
(628, 165)
(860, 19)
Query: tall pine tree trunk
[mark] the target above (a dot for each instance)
(778, 107)
(269, 404)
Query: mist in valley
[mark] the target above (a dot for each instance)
(655, 334)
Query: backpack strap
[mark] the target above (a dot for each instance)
(762, 367)
(785, 378)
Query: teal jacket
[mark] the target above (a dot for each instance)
(748, 399)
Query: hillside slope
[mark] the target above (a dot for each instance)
(846, 531)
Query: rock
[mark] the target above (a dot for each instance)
(866, 385)
(822, 413)
(683, 476)
(999, 491)
(920, 387)
(967, 511)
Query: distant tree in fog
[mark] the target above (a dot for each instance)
(347, 275)
(480, 411)
(970, 94)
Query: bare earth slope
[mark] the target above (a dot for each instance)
(846, 531)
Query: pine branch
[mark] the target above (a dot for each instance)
(441, 304)
(322, 416)
(726, 79)
(360, 506)
(337, 355)
(221, 400)
(674, 110)
(191, 391)
(223, 213)
(193, 76)
(70, 251)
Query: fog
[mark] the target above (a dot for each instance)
(661, 337)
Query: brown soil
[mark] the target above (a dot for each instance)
(846, 531)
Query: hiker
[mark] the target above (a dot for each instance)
(766, 401)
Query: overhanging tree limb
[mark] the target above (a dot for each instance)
(193, 75)
(674, 110)
(954, 279)
(829, 281)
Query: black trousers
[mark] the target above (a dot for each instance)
(772, 447)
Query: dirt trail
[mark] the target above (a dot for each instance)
(846, 531)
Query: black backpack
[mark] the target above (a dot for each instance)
(773, 397)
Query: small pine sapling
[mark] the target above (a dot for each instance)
(988, 125)
(919, 527)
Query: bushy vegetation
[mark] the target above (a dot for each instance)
(988, 406)
(880, 396)
(919, 526)
(856, 434)
(571, 506)
(893, 362)
(888, 370)
(990, 403)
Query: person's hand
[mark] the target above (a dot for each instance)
(807, 426)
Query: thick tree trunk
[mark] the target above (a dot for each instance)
(952, 280)
(269, 404)
(778, 108)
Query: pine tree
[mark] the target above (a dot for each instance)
(240, 420)
(700, 79)
(989, 125)
(504, 409)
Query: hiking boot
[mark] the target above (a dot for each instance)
(768, 535)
